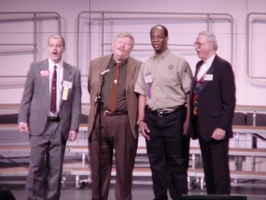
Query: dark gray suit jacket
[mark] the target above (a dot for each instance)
(216, 102)
(34, 107)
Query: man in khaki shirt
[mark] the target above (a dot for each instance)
(163, 85)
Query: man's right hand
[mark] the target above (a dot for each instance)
(144, 130)
(23, 127)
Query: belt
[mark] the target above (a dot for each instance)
(109, 113)
(53, 119)
(161, 113)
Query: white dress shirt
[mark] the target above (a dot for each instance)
(205, 67)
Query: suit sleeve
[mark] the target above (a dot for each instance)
(76, 105)
(140, 85)
(24, 110)
(89, 77)
(228, 97)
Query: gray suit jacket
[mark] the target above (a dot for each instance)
(94, 82)
(34, 107)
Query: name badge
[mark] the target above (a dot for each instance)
(208, 77)
(148, 78)
(65, 93)
(67, 84)
(45, 73)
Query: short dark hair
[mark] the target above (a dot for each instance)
(56, 36)
(165, 31)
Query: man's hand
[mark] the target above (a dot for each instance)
(23, 127)
(218, 134)
(72, 136)
(185, 128)
(144, 130)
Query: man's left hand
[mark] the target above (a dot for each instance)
(218, 134)
(72, 136)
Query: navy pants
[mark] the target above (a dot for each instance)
(168, 153)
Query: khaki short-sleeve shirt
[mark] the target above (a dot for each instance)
(164, 81)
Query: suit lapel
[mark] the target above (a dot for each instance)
(197, 68)
(67, 73)
(131, 70)
(210, 71)
(103, 64)
(67, 76)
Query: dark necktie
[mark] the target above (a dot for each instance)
(53, 92)
(114, 91)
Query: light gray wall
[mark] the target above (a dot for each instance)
(183, 29)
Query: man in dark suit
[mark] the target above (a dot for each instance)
(119, 131)
(49, 112)
(212, 109)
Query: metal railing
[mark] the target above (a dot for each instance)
(33, 17)
(208, 18)
(251, 20)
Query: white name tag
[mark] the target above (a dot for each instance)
(148, 78)
(208, 77)
(67, 84)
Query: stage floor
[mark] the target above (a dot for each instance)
(139, 192)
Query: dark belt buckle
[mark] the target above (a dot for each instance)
(53, 119)
(160, 113)
(107, 112)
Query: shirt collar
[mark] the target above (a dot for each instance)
(210, 60)
(162, 55)
(121, 63)
(52, 64)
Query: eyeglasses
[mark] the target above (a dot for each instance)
(198, 44)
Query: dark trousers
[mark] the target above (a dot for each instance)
(46, 162)
(168, 153)
(215, 163)
(216, 166)
(117, 139)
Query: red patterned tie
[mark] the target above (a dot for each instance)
(53, 92)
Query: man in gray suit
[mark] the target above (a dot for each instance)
(49, 112)
(119, 130)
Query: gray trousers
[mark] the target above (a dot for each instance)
(46, 162)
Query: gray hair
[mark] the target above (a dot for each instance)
(125, 34)
(210, 38)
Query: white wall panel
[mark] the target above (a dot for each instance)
(181, 31)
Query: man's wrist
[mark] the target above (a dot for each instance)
(139, 121)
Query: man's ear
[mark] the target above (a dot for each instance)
(210, 45)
